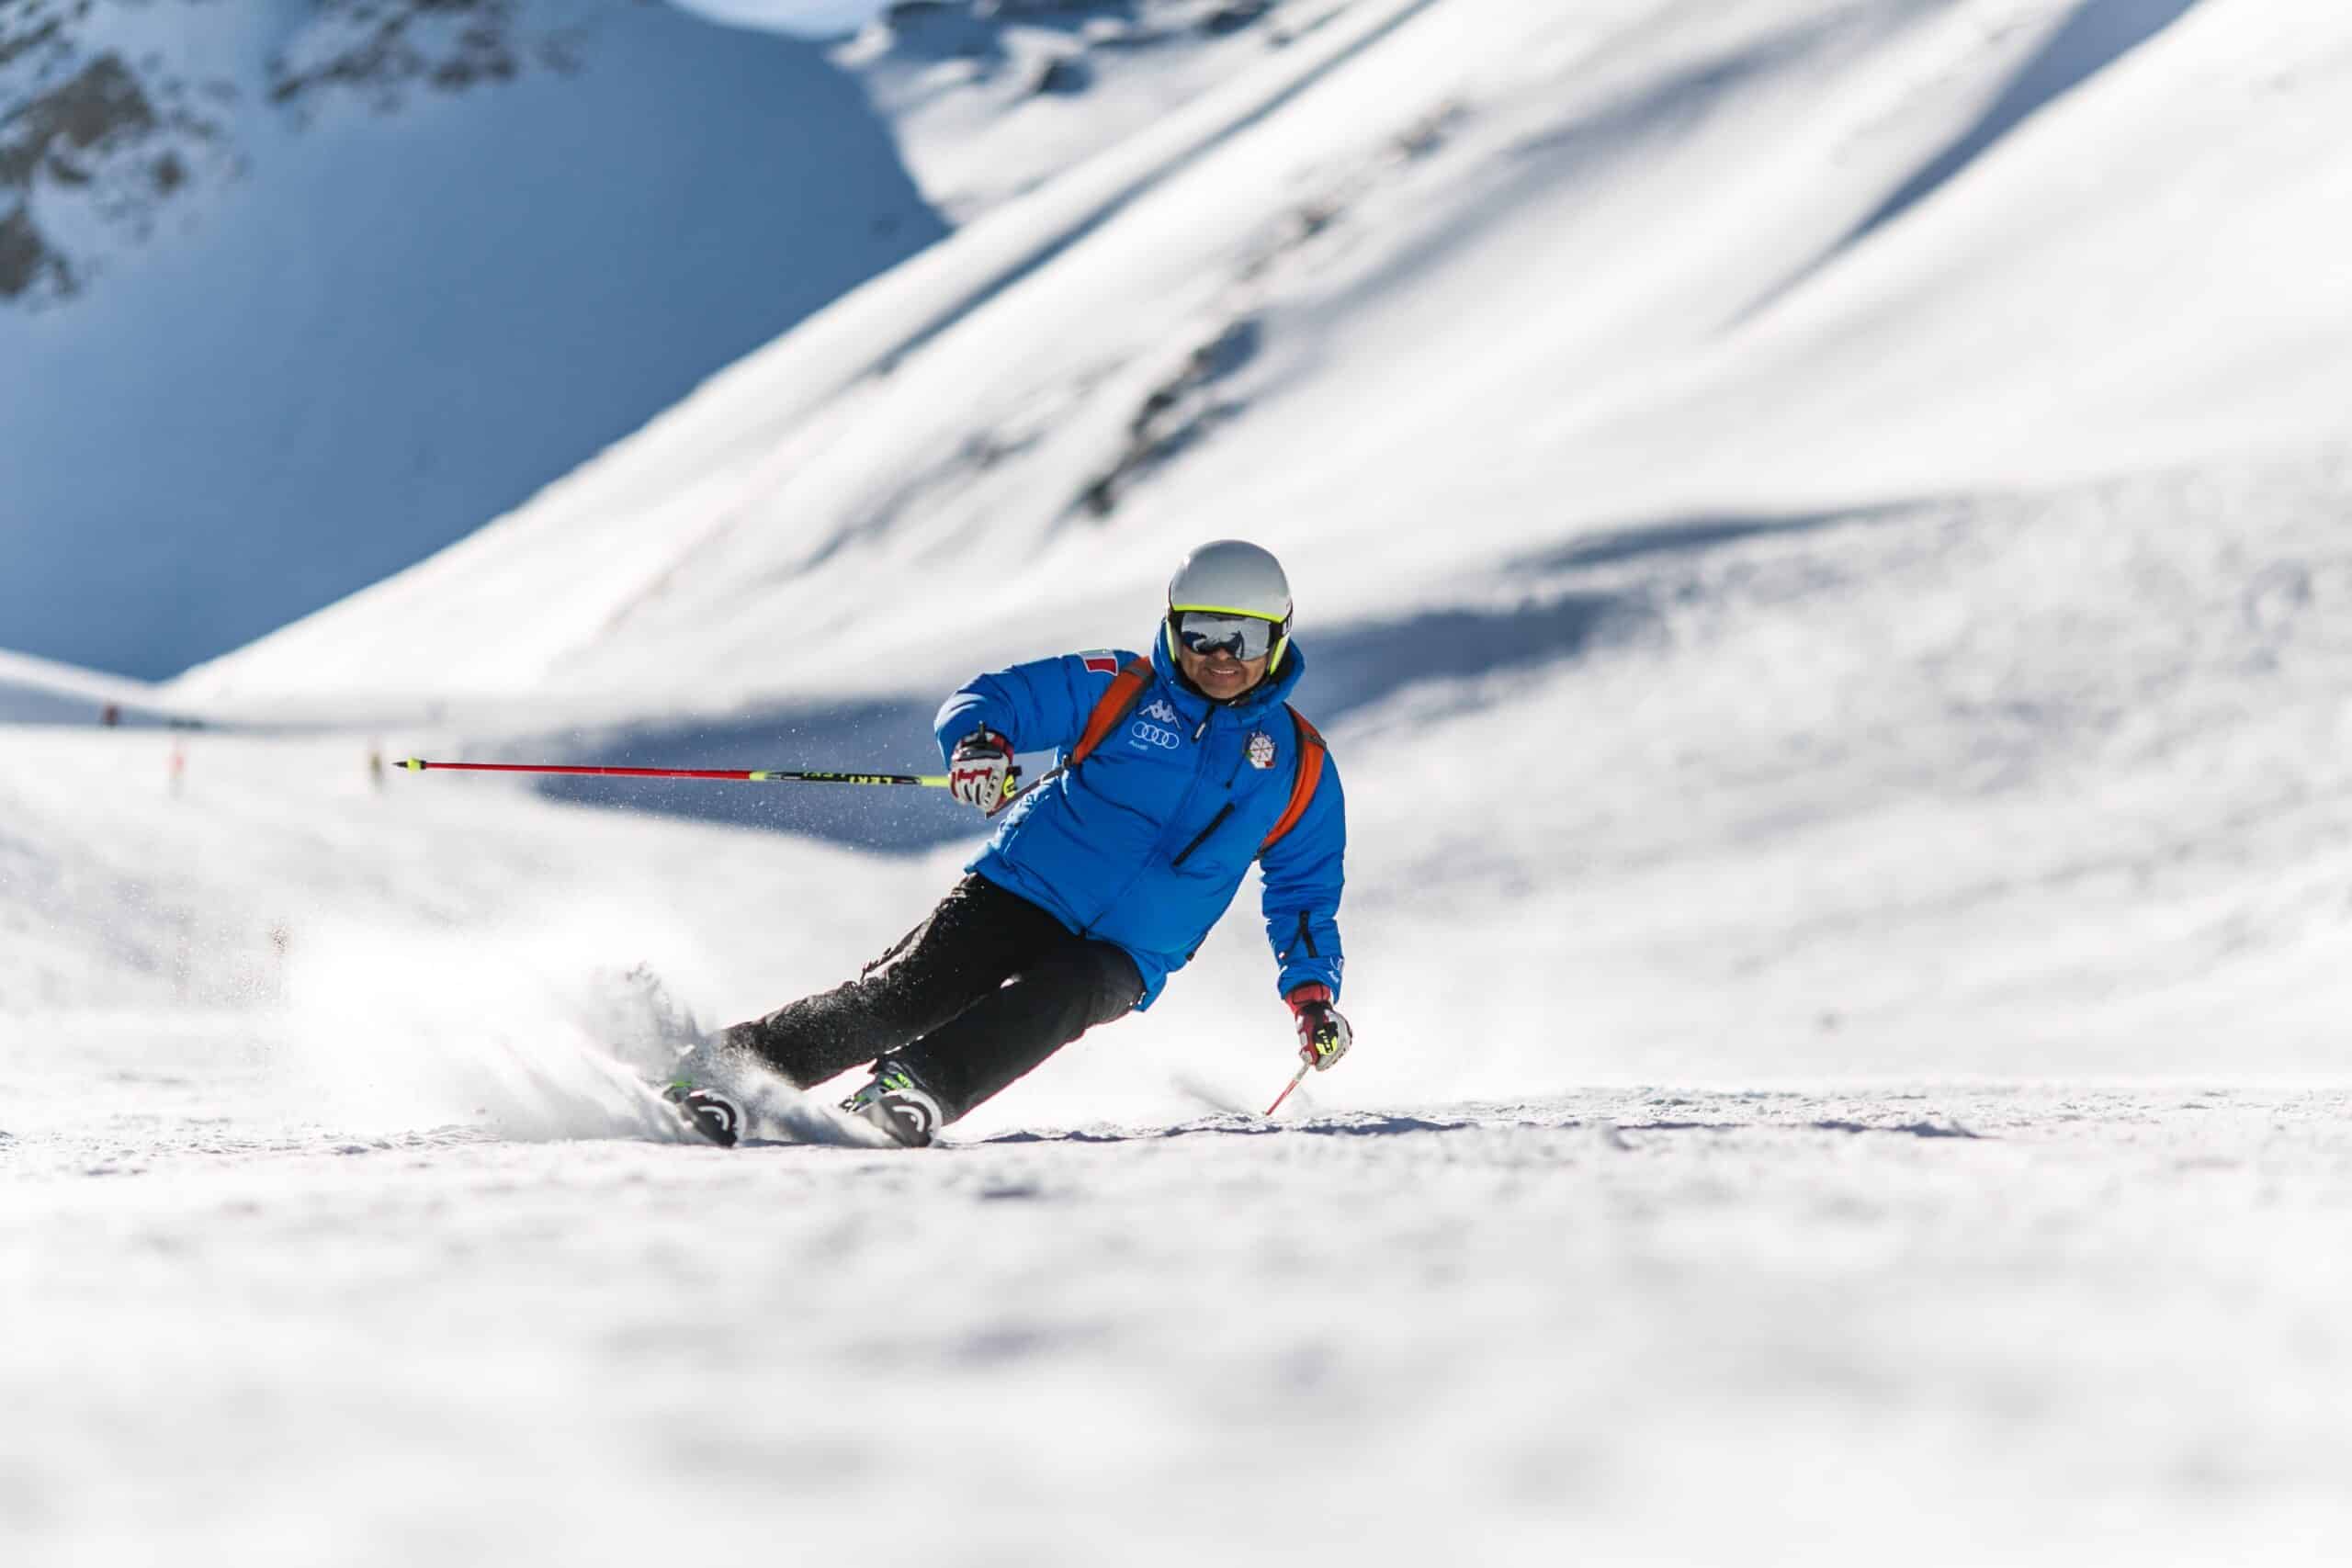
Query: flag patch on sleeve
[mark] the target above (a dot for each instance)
(1101, 661)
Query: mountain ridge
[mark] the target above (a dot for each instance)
(304, 293)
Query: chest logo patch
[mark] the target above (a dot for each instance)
(1160, 711)
(1261, 749)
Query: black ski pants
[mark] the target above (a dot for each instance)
(985, 989)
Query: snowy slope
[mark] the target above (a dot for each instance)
(688, 492)
(1386, 289)
(40, 690)
(1507, 295)
(1546, 272)
(299, 293)
(292, 296)
(1640, 1327)
(1819, 529)
(990, 100)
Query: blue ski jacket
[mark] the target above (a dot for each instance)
(1145, 843)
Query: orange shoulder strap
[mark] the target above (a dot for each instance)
(1311, 752)
(1111, 709)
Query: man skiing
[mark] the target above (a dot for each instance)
(1102, 879)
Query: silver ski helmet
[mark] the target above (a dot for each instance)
(1231, 578)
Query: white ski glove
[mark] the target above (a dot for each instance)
(1323, 1035)
(980, 770)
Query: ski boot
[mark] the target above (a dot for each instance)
(897, 1103)
(706, 1110)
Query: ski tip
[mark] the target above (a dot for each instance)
(706, 1112)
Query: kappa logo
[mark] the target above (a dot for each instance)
(1261, 749)
(1161, 711)
(1144, 734)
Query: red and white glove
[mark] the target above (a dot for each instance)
(1323, 1035)
(980, 770)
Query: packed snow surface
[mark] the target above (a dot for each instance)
(2024, 1325)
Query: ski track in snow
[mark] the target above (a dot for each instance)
(1691, 1325)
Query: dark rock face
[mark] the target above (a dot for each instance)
(1179, 412)
(26, 260)
(973, 29)
(1234, 17)
(132, 134)
(103, 100)
(1064, 77)
(384, 48)
(85, 123)
(28, 27)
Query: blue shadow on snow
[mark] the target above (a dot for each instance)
(1350, 666)
(2099, 33)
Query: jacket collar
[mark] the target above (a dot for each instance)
(1266, 695)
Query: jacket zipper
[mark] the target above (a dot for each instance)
(1191, 789)
(1201, 837)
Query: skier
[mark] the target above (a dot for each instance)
(1177, 771)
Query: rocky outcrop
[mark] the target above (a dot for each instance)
(386, 49)
(972, 30)
(115, 133)
(91, 126)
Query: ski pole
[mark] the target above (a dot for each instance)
(1296, 1078)
(744, 775)
(748, 775)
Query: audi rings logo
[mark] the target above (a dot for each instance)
(1152, 735)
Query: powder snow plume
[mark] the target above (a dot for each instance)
(401, 1025)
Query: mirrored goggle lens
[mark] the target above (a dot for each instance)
(1244, 636)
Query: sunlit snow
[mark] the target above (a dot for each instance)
(1819, 529)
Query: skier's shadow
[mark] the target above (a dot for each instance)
(1349, 668)
(1239, 1126)
(1377, 1126)
(885, 735)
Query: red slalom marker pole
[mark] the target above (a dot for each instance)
(1296, 1078)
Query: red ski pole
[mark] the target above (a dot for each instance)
(748, 775)
(1296, 1078)
(743, 775)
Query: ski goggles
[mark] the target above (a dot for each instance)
(1207, 631)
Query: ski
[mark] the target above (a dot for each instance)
(705, 1111)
